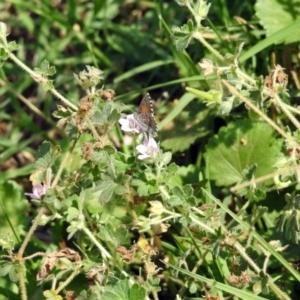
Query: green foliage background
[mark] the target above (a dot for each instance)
(132, 43)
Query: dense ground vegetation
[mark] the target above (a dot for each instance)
(94, 204)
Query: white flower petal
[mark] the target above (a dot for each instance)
(128, 124)
(148, 150)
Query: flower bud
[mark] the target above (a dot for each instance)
(3, 29)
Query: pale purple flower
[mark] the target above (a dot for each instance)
(129, 124)
(37, 191)
(148, 150)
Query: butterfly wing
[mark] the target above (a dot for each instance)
(145, 117)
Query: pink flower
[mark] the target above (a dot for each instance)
(37, 191)
(149, 149)
(129, 124)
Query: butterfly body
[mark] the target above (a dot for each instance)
(144, 117)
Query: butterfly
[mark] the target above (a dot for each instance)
(144, 117)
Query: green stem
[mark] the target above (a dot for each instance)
(240, 73)
(279, 102)
(274, 288)
(32, 107)
(155, 296)
(255, 109)
(198, 36)
(92, 128)
(267, 259)
(195, 269)
(165, 194)
(40, 79)
(34, 255)
(63, 163)
(242, 210)
(240, 249)
(21, 252)
(242, 252)
(293, 109)
(22, 285)
(277, 291)
(63, 99)
(30, 233)
(68, 280)
(202, 225)
(54, 282)
(104, 253)
(173, 216)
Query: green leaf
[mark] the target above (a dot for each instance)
(3, 56)
(172, 169)
(6, 241)
(72, 131)
(114, 116)
(123, 291)
(13, 273)
(99, 118)
(5, 268)
(46, 155)
(188, 190)
(120, 291)
(280, 11)
(52, 295)
(62, 112)
(83, 295)
(13, 46)
(11, 269)
(137, 292)
(123, 162)
(72, 213)
(178, 192)
(238, 146)
(109, 187)
(52, 202)
(66, 117)
(144, 186)
(182, 36)
(121, 234)
(117, 235)
(108, 116)
(175, 201)
(182, 196)
(153, 285)
(101, 157)
(190, 125)
(46, 70)
(43, 149)
(166, 158)
(48, 86)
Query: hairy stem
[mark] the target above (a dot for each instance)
(103, 251)
(68, 280)
(30, 233)
(63, 163)
(22, 285)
